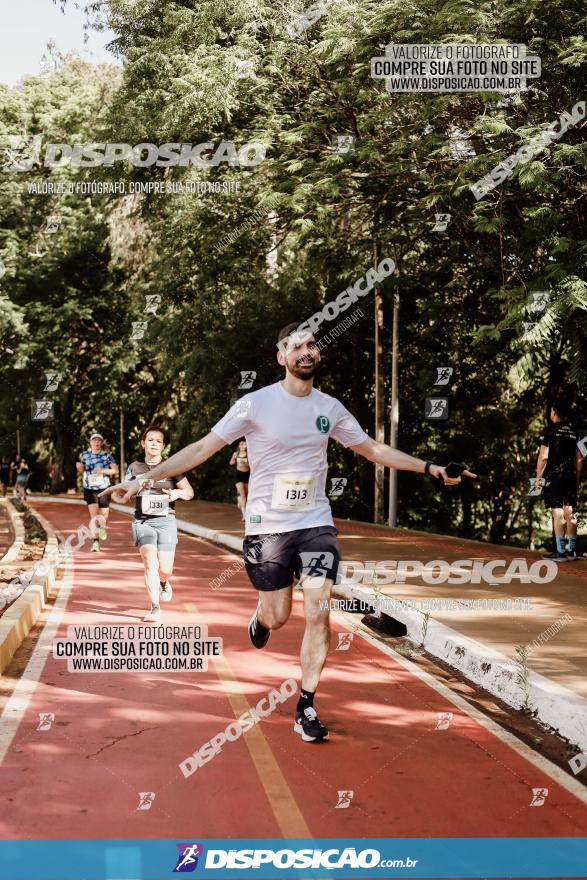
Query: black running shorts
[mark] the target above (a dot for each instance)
(91, 497)
(273, 561)
(560, 493)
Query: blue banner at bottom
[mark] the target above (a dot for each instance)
(367, 858)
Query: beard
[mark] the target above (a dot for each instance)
(304, 368)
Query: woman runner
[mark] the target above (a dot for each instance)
(154, 528)
(240, 461)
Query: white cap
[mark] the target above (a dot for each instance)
(96, 436)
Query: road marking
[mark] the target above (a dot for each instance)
(19, 700)
(573, 786)
(283, 803)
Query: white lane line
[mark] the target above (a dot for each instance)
(20, 698)
(525, 751)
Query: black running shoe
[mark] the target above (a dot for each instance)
(258, 634)
(557, 557)
(309, 725)
(572, 556)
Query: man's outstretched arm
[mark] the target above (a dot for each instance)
(380, 453)
(180, 463)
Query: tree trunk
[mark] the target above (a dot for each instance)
(379, 398)
(64, 475)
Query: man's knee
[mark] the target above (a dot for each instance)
(274, 616)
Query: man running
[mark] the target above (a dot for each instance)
(289, 533)
(560, 465)
(97, 464)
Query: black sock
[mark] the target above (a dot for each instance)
(306, 701)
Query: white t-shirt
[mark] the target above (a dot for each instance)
(287, 439)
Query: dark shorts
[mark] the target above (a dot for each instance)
(560, 494)
(91, 497)
(242, 477)
(273, 561)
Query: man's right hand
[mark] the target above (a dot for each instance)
(124, 492)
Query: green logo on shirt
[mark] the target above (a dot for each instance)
(323, 424)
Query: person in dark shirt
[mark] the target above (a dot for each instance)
(558, 472)
(4, 475)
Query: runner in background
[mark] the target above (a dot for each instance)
(97, 464)
(154, 528)
(14, 464)
(560, 464)
(4, 475)
(240, 461)
(22, 477)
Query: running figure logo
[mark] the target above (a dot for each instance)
(241, 408)
(152, 303)
(187, 861)
(53, 224)
(443, 720)
(146, 799)
(536, 484)
(46, 719)
(344, 642)
(539, 795)
(138, 329)
(337, 486)
(344, 800)
(443, 375)
(538, 301)
(436, 408)
(247, 379)
(52, 381)
(441, 222)
(23, 152)
(316, 566)
(528, 328)
(343, 144)
(42, 410)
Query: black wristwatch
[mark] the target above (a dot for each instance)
(427, 467)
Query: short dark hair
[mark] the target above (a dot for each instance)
(561, 405)
(154, 428)
(288, 330)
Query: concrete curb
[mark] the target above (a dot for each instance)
(23, 613)
(18, 528)
(502, 676)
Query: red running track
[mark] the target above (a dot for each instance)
(119, 734)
